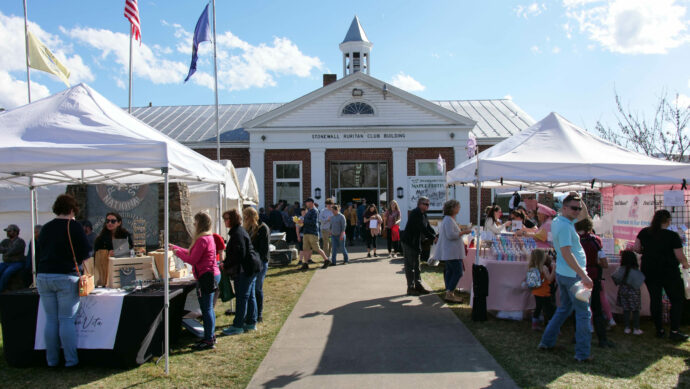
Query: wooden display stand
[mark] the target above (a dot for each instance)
(159, 258)
(143, 267)
(101, 265)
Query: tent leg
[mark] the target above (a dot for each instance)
(166, 282)
(479, 221)
(32, 192)
(219, 216)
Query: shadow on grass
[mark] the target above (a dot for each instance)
(636, 360)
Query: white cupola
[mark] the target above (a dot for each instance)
(356, 50)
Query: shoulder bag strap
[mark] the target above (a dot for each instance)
(74, 256)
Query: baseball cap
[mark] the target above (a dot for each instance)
(12, 227)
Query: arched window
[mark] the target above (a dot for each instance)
(358, 108)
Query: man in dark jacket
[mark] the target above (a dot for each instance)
(12, 250)
(416, 231)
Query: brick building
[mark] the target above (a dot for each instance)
(353, 138)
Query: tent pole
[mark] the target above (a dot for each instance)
(166, 282)
(219, 215)
(479, 213)
(32, 192)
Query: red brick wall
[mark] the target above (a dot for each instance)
(358, 155)
(239, 157)
(286, 155)
(428, 153)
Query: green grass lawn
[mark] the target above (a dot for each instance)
(637, 361)
(230, 365)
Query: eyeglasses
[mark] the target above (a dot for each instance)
(111, 221)
(574, 208)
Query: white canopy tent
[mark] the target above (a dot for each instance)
(248, 186)
(79, 137)
(15, 209)
(204, 197)
(555, 154)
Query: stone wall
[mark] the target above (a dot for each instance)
(181, 218)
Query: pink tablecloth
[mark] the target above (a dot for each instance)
(506, 292)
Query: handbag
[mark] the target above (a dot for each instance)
(225, 288)
(395, 233)
(86, 281)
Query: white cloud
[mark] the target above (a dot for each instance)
(535, 49)
(568, 30)
(508, 97)
(13, 91)
(145, 63)
(13, 67)
(556, 50)
(526, 11)
(406, 82)
(631, 26)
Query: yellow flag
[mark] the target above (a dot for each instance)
(41, 58)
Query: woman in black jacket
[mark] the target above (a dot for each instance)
(243, 265)
(662, 251)
(260, 236)
(62, 241)
(112, 229)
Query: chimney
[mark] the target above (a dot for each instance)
(329, 79)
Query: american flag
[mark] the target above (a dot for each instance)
(132, 14)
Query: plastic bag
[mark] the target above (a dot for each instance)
(225, 288)
(685, 273)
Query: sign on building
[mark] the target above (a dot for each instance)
(433, 187)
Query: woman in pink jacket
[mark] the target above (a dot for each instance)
(202, 256)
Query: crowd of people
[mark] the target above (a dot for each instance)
(575, 263)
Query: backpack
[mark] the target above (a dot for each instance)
(533, 278)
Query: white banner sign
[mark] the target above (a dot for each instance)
(97, 320)
(674, 198)
(433, 187)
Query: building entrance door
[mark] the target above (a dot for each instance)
(357, 181)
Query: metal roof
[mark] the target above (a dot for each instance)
(356, 32)
(187, 124)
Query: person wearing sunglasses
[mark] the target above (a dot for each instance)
(416, 230)
(112, 229)
(571, 264)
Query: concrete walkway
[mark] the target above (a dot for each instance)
(354, 327)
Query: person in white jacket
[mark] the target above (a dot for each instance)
(450, 249)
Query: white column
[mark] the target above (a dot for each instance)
(256, 162)
(344, 65)
(462, 193)
(368, 63)
(400, 181)
(318, 174)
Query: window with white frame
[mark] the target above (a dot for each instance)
(287, 181)
(427, 167)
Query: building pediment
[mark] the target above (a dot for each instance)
(359, 101)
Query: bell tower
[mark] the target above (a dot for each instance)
(356, 50)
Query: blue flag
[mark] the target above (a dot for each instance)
(202, 33)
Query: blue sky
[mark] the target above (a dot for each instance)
(564, 56)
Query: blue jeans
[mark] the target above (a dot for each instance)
(452, 271)
(245, 293)
(207, 313)
(583, 315)
(7, 269)
(60, 300)
(337, 244)
(259, 290)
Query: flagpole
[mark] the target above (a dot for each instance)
(215, 79)
(26, 41)
(131, 45)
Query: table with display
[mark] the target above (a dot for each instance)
(506, 292)
(139, 334)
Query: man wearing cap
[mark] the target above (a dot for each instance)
(570, 268)
(310, 242)
(12, 250)
(325, 221)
